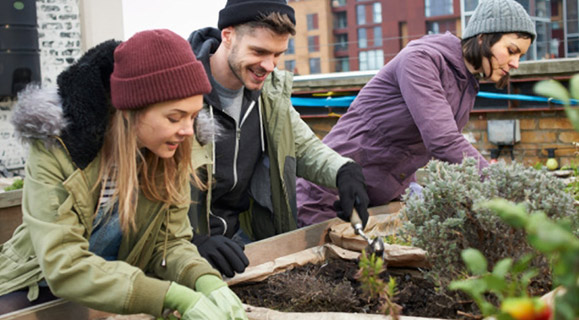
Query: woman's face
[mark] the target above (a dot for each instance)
(162, 126)
(506, 54)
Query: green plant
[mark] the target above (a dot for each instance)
(397, 239)
(573, 186)
(505, 282)
(538, 166)
(509, 282)
(554, 89)
(17, 184)
(448, 218)
(371, 266)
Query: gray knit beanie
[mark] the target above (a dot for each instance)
(502, 16)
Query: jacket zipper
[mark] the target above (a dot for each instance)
(237, 139)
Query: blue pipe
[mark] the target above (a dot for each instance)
(344, 102)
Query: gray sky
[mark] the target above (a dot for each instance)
(180, 16)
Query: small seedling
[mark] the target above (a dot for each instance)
(371, 266)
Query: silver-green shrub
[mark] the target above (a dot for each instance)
(448, 218)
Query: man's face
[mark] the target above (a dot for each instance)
(253, 54)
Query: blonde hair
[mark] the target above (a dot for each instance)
(134, 170)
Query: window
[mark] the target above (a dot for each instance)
(315, 65)
(340, 20)
(403, 34)
(572, 29)
(341, 42)
(441, 26)
(312, 21)
(338, 3)
(432, 27)
(362, 38)
(314, 43)
(371, 60)
(525, 4)
(343, 64)
(377, 36)
(470, 5)
(290, 65)
(291, 46)
(377, 12)
(361, 14)
(433, 8)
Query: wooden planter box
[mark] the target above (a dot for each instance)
(259, 252)
(10, 213)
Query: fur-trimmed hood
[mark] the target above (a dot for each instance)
(77, 112)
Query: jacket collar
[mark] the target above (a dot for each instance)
(77, 112)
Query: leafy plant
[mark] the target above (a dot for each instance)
(508, 282)
(448, 218)
(371, 266)
(573, 186)
(17, 184)
(538, 165)
(397, 239)
(554, 89)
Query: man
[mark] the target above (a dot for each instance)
(264, 143)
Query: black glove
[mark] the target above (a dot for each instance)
(222, 253)
(352, 191)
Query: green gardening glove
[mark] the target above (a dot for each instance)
(191, 305)
(218, 292)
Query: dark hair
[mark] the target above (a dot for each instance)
(474, 52)
(275, 21)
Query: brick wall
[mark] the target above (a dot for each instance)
(59, 39)
(59, 36)
(539, 131)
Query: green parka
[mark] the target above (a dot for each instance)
(59, 204)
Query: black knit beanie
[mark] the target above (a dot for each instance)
(242, 11)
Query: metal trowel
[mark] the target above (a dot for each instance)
(374, 246)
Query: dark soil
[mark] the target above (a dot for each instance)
(332, 287)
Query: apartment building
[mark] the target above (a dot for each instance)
(359, 35)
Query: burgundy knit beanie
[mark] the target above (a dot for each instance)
(155, 66)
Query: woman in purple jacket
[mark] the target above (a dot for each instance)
(416, 106)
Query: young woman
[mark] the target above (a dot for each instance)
(107, 186)
(416, 106)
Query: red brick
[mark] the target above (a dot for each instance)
(528, 124)
(526, 146)
(531, 151)
(476, 125)
(555, 123)
(569, 136)
(537, 136)
(567, 152)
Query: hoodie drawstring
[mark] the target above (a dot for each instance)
(212, 138)
(261, 134)
(164, 261)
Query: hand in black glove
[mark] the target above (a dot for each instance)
(352, 191)
(222, 253)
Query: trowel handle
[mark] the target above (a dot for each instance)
(355, 220)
